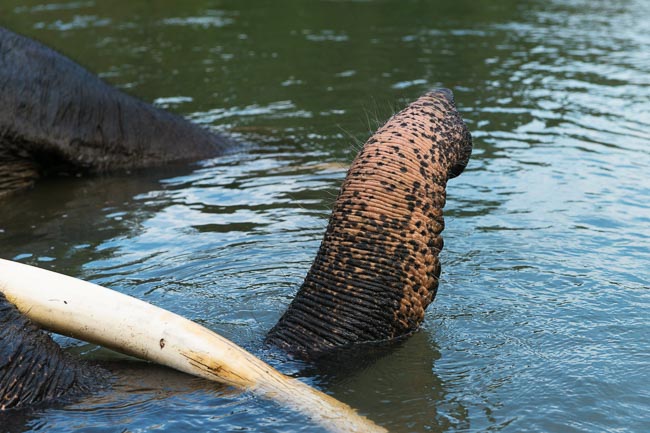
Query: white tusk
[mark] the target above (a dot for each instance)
(89, 312)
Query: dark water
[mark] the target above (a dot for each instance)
(542, 318)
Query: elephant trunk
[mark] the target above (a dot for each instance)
(377, 268)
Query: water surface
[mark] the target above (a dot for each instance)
(541, 322)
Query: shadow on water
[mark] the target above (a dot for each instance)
(82, 213)
(135, 389)
(396, 382)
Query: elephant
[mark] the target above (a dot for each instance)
(377, 268)
(375, 273)
(58, 118)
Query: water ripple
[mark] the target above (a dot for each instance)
(540, 323)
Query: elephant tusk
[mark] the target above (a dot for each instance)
(89, 312)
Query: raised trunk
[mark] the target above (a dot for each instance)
(377, 268)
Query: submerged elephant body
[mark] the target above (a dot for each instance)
(34, 369)
(376, 270)
(56, 117)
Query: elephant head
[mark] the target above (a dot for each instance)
(377, 268)
(375, 273)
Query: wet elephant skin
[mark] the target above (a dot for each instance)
(56, 117)
(377, 268)
(34, 369)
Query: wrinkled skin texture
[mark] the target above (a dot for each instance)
(34, 369)
(58, 118)
(377, 268)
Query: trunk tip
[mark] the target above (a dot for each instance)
(444, 92)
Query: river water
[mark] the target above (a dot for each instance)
(542, 320)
